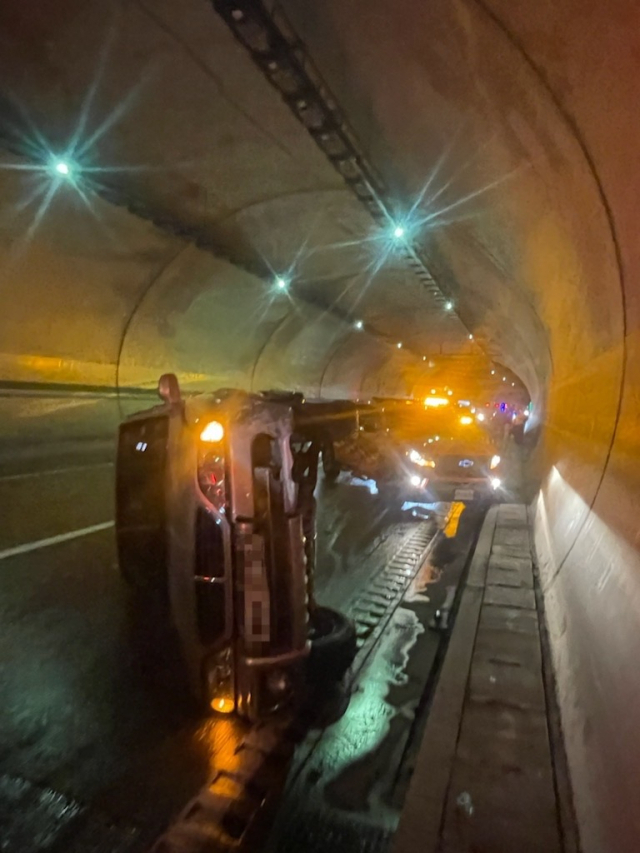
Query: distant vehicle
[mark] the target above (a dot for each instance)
(461, 459)
(215, 513)
(426, 456)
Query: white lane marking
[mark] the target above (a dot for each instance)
(49, 472)
(54, 540)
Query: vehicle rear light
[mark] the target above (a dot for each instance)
(213, 433)
(220, 682)
(211, 477)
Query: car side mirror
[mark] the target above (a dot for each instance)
(169, 388)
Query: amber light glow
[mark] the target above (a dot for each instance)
(465, 420)
(213, 432)
(223, 705)
(435, 402)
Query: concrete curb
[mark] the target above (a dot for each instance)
(424, 804)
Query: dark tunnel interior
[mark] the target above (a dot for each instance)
(166, 206)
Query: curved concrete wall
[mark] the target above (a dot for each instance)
(539, 104)
(94, 296)
(520, 119)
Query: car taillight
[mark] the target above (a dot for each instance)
(220, 682)
(211, 477)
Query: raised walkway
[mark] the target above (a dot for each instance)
(489, 775)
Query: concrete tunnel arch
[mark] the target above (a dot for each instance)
(577, 272)
(109, 303)
(546, 264)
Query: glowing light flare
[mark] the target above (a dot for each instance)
(398, 232)
(470, 337)
(281, 283)
(480, 416)
(465, 420)
(496, 482)
(448, 306)
(223, 705)
(415, 480)
(495, 461)
(399, 345)
(436, 402)
(418, 459)
(212, 433)
(359, 325)
(62, 168)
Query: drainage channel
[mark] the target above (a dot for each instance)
(234, 810)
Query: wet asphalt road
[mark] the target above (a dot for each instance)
(99, 745)
(347, 782)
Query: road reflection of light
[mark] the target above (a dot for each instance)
(361, 731)
(362, 483)
(428, 574)
(222, 736)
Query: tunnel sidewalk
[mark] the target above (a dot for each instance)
(488, 775)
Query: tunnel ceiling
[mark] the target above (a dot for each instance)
(171, 112)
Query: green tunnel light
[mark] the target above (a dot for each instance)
(62, 168)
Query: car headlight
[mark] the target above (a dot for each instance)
(415, 480)
(496, 482)
(418, 459)
(495, 461)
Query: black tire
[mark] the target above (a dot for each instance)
(333, 644)
(330, 466)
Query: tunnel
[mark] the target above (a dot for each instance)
(170, 205)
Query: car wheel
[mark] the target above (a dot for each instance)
(333, 644)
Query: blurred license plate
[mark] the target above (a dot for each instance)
(463, 495)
